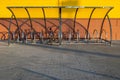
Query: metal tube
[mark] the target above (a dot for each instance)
(15, 19)
(29, 18)
(45, 21)
(75, 20)
(9, 30)
(60, 26)
(88, 25)
(60, 6)
(103, 22)
(110, 29)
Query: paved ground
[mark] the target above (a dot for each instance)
(66, 62)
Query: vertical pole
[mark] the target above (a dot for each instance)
(60, 27)
(18, 38)
(9, 30)
(26, 39)
(13, 36)
(70, 36)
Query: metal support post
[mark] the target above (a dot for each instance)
(18, 38)
(23, 37)
(34, 39)
(70, 36)
(60, 27)
(26, 39)
(9, 30)
(78, 36)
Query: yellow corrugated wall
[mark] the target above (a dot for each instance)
(115, 13)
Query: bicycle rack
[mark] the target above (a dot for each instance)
(59, 26)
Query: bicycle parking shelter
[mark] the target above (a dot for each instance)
(13, 16)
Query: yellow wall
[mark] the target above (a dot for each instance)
(115, 13)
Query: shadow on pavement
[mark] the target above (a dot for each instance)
(80, 51)
(95, 73)
(74, 50)
(41, 74)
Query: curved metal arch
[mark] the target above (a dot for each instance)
(30, 19)
(75, 19)
(104, 21)
(15, 19)
(88, 25)
(45, 21)
(110, 29)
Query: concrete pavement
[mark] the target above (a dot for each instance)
(66, 62)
